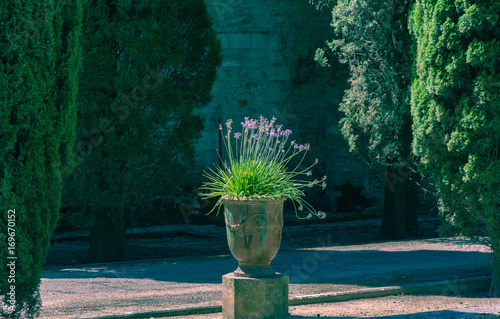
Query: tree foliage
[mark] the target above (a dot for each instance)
(39, 60)
(372, 38)
(147, 66)
(456, 111)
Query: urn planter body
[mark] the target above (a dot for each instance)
(254, 234)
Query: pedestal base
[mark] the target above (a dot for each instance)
(254, 298)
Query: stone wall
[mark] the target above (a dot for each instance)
(268, 69)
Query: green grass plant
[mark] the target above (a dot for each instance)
(257, 164)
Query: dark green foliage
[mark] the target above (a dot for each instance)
(147, 66)
(456, 111)
(39, 60)
(372, 38)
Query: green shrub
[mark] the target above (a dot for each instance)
(39, 60)
(456, 112)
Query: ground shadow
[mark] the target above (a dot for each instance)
(351, 267)
(176, 241)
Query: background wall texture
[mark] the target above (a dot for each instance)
(268, 69)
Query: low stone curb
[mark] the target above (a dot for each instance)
(457, 286)
(166, 313)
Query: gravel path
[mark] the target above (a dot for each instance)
(84, 291)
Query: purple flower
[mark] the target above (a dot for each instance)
(271, 149)
(264, 124)
(255, 136)
(249, 124)
(237, 135)
(273, 134)
(286, 133)
(302, 147)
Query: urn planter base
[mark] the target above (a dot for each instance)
(254, 298)
(254, 272)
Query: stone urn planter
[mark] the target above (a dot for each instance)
(254, 172)
(254, 234)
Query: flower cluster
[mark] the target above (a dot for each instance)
(257, 165)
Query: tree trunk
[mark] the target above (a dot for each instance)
(495, 279)
(400, 215)
(412, 202)
(394, 216)
(108, 240)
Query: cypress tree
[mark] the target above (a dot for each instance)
(456, 110)
(147, 66)
(372, 38)
(39, 60)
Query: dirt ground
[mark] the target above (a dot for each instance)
(415, 307)
(188, 240)
(471, 305)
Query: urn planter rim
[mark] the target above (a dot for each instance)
(252, 200)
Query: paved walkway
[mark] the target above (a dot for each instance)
(122, 289)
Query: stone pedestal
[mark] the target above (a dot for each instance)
(254, 298)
